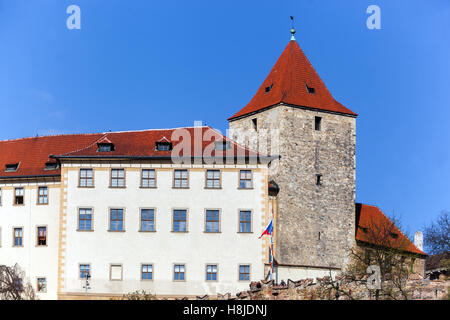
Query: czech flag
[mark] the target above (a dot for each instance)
(268, 230)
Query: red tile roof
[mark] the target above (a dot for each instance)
(373, 226)
(287, 82)
(33, 153)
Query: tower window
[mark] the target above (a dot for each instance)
(318, 179)
(269, 88)
(255, 124)
(317, 123)
(310, 90)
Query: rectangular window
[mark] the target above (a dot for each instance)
(317, 123)
(41, 285)
(147, 272)
(116, 220)
(244, 272)
(178, 272)
(245, 179)
(179, 220)
(245, 221)
(85, 219)
(117, 178)
(0, 196)
(211, 272)
(85, 270)
(41, 236)
(18, 237)
(255, 124)
(18, 196)
(148, 178)
(147, 220)
(180, 179)
(86, 178)
(318, 179)
(212, 221)
(213, 179)
(42, 195)
(115, 272)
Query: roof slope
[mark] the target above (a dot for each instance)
(374, 227)
(288, 81)
(33, 153)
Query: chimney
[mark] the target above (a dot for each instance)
(418, 240)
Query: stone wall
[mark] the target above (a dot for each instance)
(315, 225)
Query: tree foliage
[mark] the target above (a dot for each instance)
(437, 234)
(13, 284)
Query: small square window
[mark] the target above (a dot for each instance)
(317, 123)
(115, 272)
(11, 167)
(117, 178)
(42, 195)
(178, 272)
(244, 272)
(18, 196)
(213, 179)
(148, 178)
(41, 285)
(310, 90)
(318, 179)
(85, 271)
(105, 147)
(180, 178)
(86, 178)
(41, 236)
(245, 179)
(211, 272)
(147, 272)
(163, 146)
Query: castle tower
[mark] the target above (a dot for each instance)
(294, 115)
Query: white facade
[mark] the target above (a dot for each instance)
(68, 247)
(37, 261)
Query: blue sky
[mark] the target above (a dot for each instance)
(150, 64)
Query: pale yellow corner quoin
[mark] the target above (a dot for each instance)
(62, 230)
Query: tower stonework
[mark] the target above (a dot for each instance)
(293, 115)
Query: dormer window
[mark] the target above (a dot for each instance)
(12, 167)
(269, 88)
(363, 229)
(310, 90)
(51, 166)
(394, 235)
(222, 145)
(105, 147)
(163, 146)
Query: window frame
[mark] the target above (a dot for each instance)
(217, 272)
(123, 219)
(14, 237)
(79, 270)
(78, 219)
(39, 196)
(206, 221)
(220, 179)
(187, 220)
(174, 179)
(37, 285)
(153, 271)
(249, 272)
(111, 265)
(184, 272)
(251, 179)
(92, 178)
(15, 196)
(142, 178)
(37, 236)
(140, 219)
(124, 178)
(239, 221)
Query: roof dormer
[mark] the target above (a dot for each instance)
(105, 145)
(12, 167)
(163, 144)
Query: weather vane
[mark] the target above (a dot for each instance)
(292, 29)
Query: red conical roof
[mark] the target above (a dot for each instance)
(288, 82)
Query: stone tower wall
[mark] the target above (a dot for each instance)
(305, 209)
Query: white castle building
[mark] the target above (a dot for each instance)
(178, 212)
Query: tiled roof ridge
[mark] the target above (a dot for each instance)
(94, 133)
(88, 146)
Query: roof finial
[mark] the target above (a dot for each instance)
(292, 29)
